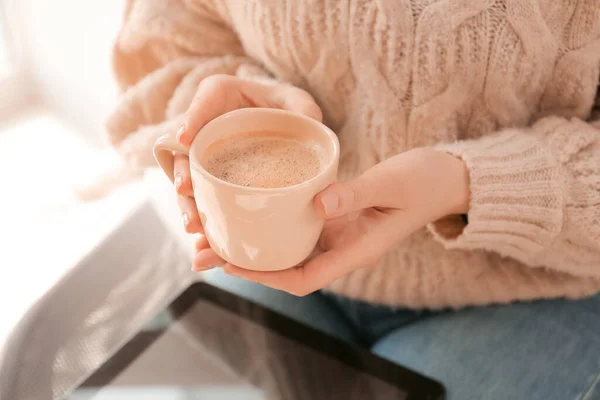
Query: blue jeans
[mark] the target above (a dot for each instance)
(545, 350)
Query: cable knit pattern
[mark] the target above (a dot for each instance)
(505, 85)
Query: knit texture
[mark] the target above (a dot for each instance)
(505, 85)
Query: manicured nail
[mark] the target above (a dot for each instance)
(181, 131)
(178, 181)
(330, 202)
(201, 269)
(185, 218)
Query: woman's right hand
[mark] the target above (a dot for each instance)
(217, 95)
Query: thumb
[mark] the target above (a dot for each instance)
(345, 197)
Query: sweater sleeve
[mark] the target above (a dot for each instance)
(535, 196)
(162, 52)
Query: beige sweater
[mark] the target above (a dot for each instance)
(504, 84)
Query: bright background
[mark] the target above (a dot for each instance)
(64, 48)
(56, 89)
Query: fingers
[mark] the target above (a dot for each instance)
(299, 281)
(289, 280)
(206, 259)
(219, 94)
(183, 178)
(216, 95)
(297, 100)
(327, 267)
(183, 185)
(201, 244)
(189, 214)
(316, 274)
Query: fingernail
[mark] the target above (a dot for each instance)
(181, 131)
(201, 269)
(330, 203)
(178, 181)
(185, 218)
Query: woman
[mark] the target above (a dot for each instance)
(469, 174)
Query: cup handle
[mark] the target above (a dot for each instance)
(165, 149)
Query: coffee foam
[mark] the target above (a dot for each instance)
(264, 159)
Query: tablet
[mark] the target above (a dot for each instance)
(211, 344)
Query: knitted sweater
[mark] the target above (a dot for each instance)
(506, 85)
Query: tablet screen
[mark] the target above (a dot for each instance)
(210, 351)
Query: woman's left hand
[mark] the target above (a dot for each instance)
(366, 217)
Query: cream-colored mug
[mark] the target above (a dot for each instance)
(261, 229)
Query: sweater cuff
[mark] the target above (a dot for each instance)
(517, 199)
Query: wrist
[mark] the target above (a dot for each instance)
(458, 179)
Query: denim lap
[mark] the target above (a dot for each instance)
(547, 350)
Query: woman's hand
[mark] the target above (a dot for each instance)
(218, 95)
(368, 216)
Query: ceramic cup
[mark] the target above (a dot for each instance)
(261, 229)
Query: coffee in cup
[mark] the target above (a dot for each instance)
(264, 159)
